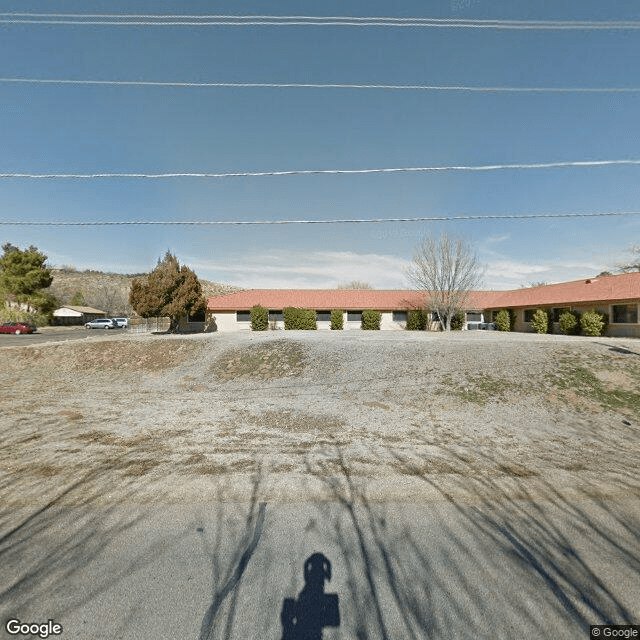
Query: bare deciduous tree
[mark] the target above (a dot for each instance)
(354, 284)
(447, 270)
(634, 265)
(110, 297)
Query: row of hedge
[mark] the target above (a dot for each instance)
(420, 320)
(305, 319)
(589, 323)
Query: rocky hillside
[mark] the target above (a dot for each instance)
(110, 291)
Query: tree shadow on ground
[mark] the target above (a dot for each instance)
(498, 557)
(228, 569)
(44, 558)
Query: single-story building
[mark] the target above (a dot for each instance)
(76, 315)
(616, 296)
(232, 311)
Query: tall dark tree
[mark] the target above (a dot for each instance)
(24, 275)
(171, 289)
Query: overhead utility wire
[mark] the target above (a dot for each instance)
(332, 85)
(264, 20)
(515, 216)
(303, 172)
(228, 16)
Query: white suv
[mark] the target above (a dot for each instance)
(122, 322)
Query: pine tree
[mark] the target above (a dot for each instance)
(23, 277)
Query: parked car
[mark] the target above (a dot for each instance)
(101, 323)
(17, 327)
(122, 322)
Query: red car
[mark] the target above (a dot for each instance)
(17, 328)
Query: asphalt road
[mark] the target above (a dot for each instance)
(220, 569)
(52, 334)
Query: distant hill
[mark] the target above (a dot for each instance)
(110, 291)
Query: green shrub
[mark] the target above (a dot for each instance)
(371, 319)
(569, 323)
(12, 314)
(295, 318)
(259, 318)
(502, 320)
(605, 323)
(549, 320)
(592, 323)
(513, 316)
(540, 321)
(417, 320)
(457, 321)
(337, 319)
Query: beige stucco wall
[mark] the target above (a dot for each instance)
(226, 321)
(614, 329)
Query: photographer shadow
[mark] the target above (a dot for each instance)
(306, 617)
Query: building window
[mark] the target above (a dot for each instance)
(243, 316)
(556, 312)
(276, 316)
(399, 316)
(528, 314)
(474, 316)
(354, 316)
(625, 313)
(323, 316)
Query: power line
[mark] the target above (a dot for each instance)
(270, 20)
(308, 85)
(298, 172)
(515, 216)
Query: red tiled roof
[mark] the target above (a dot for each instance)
(603, 289)
(321, 299)
(625, 286)
(318, 299)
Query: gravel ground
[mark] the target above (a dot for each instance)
(167, 416)
(472, 485)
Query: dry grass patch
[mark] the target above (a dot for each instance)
(70, 414)
(155, 355)
(516, 470)
(139, 467)
(277, 359)
(289, 421)
(149, 440)
(214, 469)
(40, 470)
(377, 405)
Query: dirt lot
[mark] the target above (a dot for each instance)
(166, 416)
(477, 485)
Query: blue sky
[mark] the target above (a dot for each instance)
(88, 129)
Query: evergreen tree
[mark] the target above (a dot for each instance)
(170, 290)
(78, 299)
(23, 277)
